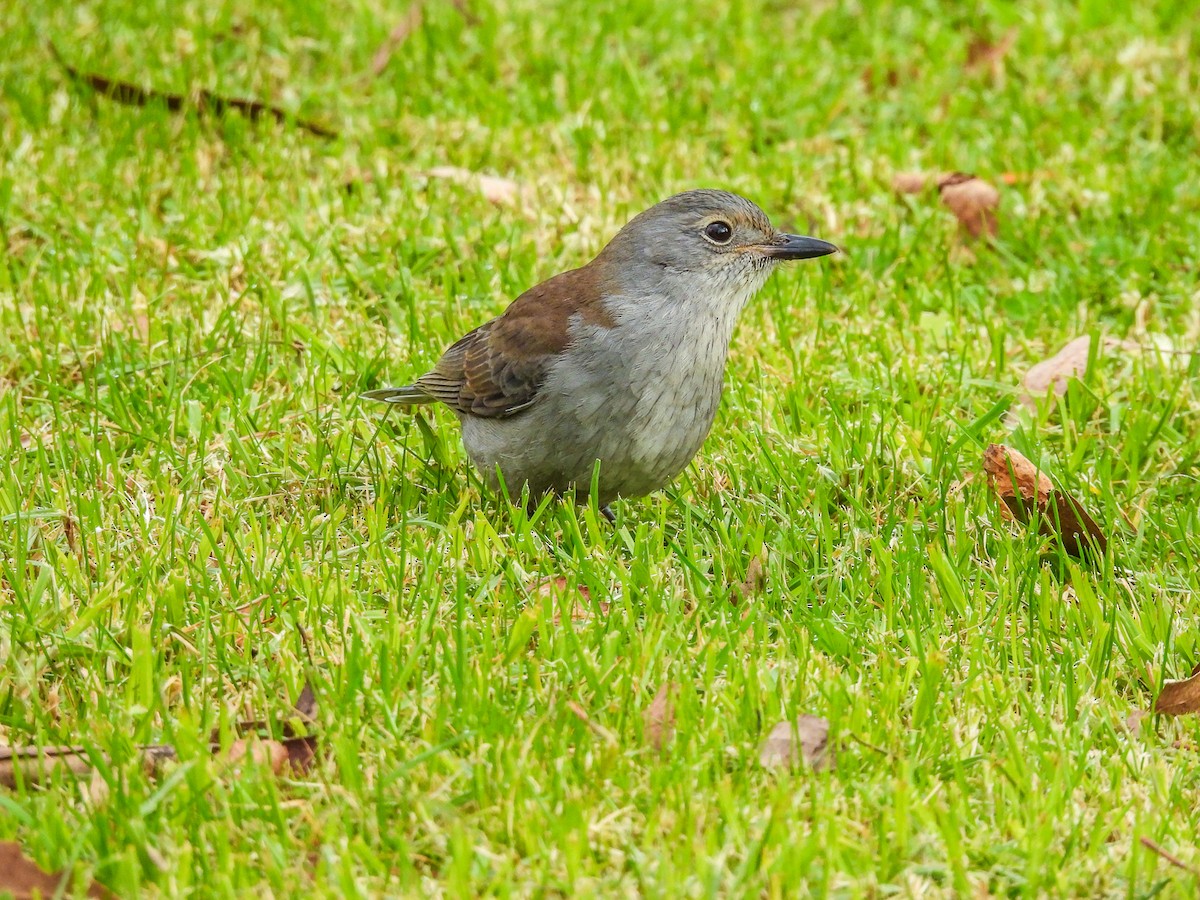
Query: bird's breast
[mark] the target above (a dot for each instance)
(652, 387)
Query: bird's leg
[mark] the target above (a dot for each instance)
(608, 514)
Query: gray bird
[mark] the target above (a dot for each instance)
(620, 362)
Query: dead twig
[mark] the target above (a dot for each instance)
(202, 101)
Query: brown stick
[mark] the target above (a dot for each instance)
(203, 101)
(1168, 856)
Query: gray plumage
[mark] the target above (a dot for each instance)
(621, 361)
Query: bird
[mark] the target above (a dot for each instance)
(610, 375)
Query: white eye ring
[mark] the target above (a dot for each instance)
(718, 232)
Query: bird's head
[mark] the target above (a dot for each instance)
(706, 242)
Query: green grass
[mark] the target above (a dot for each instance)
(190, 306)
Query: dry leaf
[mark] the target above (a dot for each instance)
(397, 36)
(302, 753)
(70, 532)
(97, 790)
(1133, 721)
(659, 717)
(1179, 698)
(983, 54)
(1024, 488)
(306, 703)
(494, 189)
(1069, 362)
(753, 582)
(911, 182)
(271, 753)
(803, 742)
(556, 588)
(25, 879)
(972, 200)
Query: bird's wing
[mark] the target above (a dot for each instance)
(498, 369)
(477, 376)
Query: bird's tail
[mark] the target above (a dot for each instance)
(409, 395)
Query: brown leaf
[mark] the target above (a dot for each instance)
(984, 54)
(70, 532)
(1069, 362)
(25, 879)
(802, 742)
(494, 189)
(556, 589)
(271, 753)
(972, 200)
(306, 703)
(1023, 489)
(201, 101)
(302, 753)
(1133, 721)
(659, 718)
(397, 36)
(911, 182)
(753, 583)
(1179, 698)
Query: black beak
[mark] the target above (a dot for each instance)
(797, 246)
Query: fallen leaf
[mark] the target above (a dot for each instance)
(397, 36)
(753, 582)
(1025, 489)
(659, 718)
(911, 182)
(983, 53)
(97, 790)
(1069, 362)
(70, 532)
(556, 589)
(1133, 721)
(271, 753)
(302, 753)
(494, 189)
(802, 742)
(24, 879)
(1179, 698)
(972, 200)
(306, 703)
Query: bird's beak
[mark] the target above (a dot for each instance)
(797, 246)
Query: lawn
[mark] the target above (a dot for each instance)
(200, 515)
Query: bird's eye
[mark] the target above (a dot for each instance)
(718, 232)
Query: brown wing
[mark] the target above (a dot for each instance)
(498, 369)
